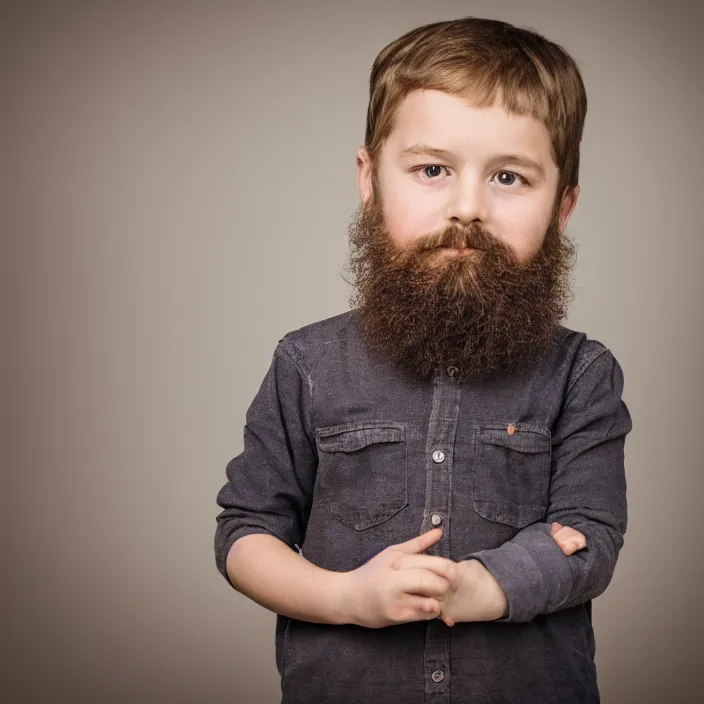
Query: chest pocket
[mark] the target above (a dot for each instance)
(511, 472)
(363, 471)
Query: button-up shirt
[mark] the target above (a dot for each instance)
(343, 457)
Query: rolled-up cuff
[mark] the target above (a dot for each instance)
(222, 549)
(532, 570)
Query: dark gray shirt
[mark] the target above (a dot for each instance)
(343, 457)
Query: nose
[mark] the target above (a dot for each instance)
(467, 202)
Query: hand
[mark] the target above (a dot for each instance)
(399, 584)
(475, 595)
(569, 539)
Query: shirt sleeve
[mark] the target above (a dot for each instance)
(587, 492)
(270, 484)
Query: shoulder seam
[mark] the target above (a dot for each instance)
(292, 353)
(585, 365)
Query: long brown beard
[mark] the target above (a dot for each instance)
(486, 313)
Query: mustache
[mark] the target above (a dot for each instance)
(473, 236)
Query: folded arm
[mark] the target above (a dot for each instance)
(587, 493)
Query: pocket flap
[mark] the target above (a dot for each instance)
(350, 437)
(529, 439)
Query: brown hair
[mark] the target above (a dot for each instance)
(483, 59)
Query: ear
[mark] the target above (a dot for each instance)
(569, 200)
(364, 174)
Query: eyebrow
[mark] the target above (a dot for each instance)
(524, 161)
(424, 149)
(427, 150)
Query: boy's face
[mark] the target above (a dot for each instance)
(448, 163)
(457, 252)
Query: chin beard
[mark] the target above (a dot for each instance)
(485, 313)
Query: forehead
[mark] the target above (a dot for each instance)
(453, 124)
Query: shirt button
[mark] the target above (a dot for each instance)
(438, 456)
(451, 371)
(438, 676)
(436, 519)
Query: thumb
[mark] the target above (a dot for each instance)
(421, 542)
(554, 528)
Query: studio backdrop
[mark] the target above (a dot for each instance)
(176, 183)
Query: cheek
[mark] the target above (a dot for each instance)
(401, 222)
(407, 216)
(524, 229)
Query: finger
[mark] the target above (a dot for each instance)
(422, 582)
(447, 620)
(554, 528)
(570, 546)
(567, 533)
(440, 565)
(421, 542)
(570, 540)
(418, 608)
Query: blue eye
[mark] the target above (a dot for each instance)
(434, 168)
(508, 178)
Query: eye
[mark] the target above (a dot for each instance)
(509, 178)
(432, 171)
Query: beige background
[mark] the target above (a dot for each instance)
(177, 178)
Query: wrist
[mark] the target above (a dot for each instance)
(496, 602)
(488, 599)
(342, 599)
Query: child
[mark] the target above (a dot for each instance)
(441, 454)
